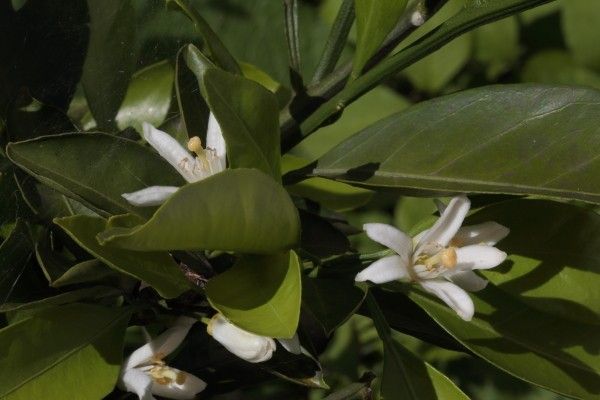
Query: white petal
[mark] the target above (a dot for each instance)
(452, 295)
(488, 233)
(390, 237)
(385, 270)
(216, 141)
(162, 345)
(447, 225)
(187, 390)
(478, 257)
(468, 280)
(248, 346)
(292, 345)
(150, 196)
(138, 382)
(170, 150)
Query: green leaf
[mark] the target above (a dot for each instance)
(406, 376)
(85, 271)
(212, 42)
(558, 67)
(497, 46)
(581, 30)
(375, 19)
(148, 97)
(554, 265)
(488, 140)
(65, 352)
(249, 118)
(110, 59)
(192, 107)
(260, 294)
(331, 301)
(94, 168)
(91, 293)
(545, 350)
(15, 253)
(238, 210)
(155, 268)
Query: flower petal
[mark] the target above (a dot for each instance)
(385, 270)
(292, 345)
(447, 225)
(452, 295)
(246, 345)
(150, 196)
(488, 233)
(191, 386)
(216, 141)
(468, 280)
(136, 381)
(478, 257)
(170, 149)
(162, 345)
(390, 237)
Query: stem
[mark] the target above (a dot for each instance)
(336, 41)
(335, 82)
(290, 8)
(404, 58)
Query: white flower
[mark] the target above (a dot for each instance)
(206, 161)
(145, 373)
(442, 258)
(248, 346)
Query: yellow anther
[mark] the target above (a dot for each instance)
(195, 145)
(181, 378)
(164, 375)
(448, 257)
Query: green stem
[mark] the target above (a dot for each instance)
(336, 40)
(290, 8)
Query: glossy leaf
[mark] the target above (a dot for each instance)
(65, 162)
(156, 269)
(85, 271)
(405, 375)
(67, 352)
(260, 294)
(248, 115)
(110, 60)
(490, 140)
(374, 21)
(148, 97)
(238, 210)
(77, 295)
(331, 301)
(548, 351)
(15, 253)
(554, 264)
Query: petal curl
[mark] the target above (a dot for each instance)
(468, 280)
(216, 141)
(488, 233)
(169, 149)
(390, 237)
(478, 257)
(447, 225)
(387, 269)
(452, 295)
(150, 196)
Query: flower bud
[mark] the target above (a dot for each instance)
(248, 346)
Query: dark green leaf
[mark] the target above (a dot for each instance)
(156, 269)
(548, 351)
(581, 30)
(85, 271)
(71, 163)
(148, 97)
(91, 293)
(374, 21)
(192, 107)
(15, 253)
(69, 352)
(260, 294)
(238, 210)
(554, 265)
(558, 67)
(490, 140)
(110, 59)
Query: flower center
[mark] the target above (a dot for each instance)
(444, 258)
(195, 145)
(164, 375)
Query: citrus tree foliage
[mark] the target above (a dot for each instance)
(329, 199)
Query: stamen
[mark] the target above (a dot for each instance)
(195, 145)
(181, 378)
(164, 375)
(448, 257)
